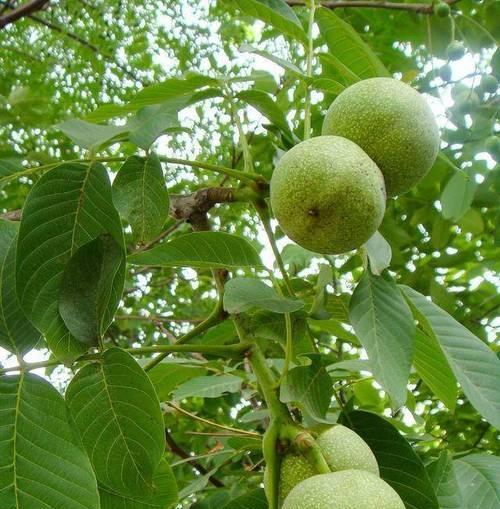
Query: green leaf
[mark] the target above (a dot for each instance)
(276, 13)
(256, 499)
(318, 310)
(268, 325)
(90, 136)
(478, 477)
(263, 103)
(167, 375)
(348, 47)
(476, 367)
(379, 253)
(17, 335)
(309, 387)
(289, 66)
(151, 121)
(42, 461)
(399, 464)
(141, 197)
(208, 387)
(165, 493)
(242, 294)
(118, 414)
(91, 288)
(457, 196)
(445, 483)
(8, 168)
(296, 257)
(158, 93)
(433, 368)
(328, 85)
(383, 323)
(67, 208)
(201, 250)
(170, 89)
(213, 501)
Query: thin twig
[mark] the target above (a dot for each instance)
(342, 4)
(212, 423)
(24, 10)
(179, 451)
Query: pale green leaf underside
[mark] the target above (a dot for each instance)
(263, 103)
(167, 90)
(433, 368)
(118, 415)
(348, 46)
(68, 207)
(242, 294)
(42, 463)
(310, 387)
(166, 376)
(289, 66)
(475, 366)
(208, 387)
(201, 250)
(457, 196)
(445, 483)
(478, 476)
(384, 325)
(274, 12)
(379, 253)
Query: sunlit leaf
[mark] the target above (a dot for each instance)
(201, 250)
(476, 367)
(383, 323)
(242, 294)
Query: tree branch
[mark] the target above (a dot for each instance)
(179, 451)
(22, 11)
(340, 4)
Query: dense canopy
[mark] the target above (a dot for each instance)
(154, 246)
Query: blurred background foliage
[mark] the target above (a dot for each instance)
(67, 59)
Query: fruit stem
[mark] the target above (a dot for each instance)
(307, 445)
(310, 55)
(265, 217)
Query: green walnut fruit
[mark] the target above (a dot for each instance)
(328, 195)
(489, 83)
(393, 124)
(342, 448)
(442, 10)
(455, 50)
(348, 489)
(445, 72)
(294, 469)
